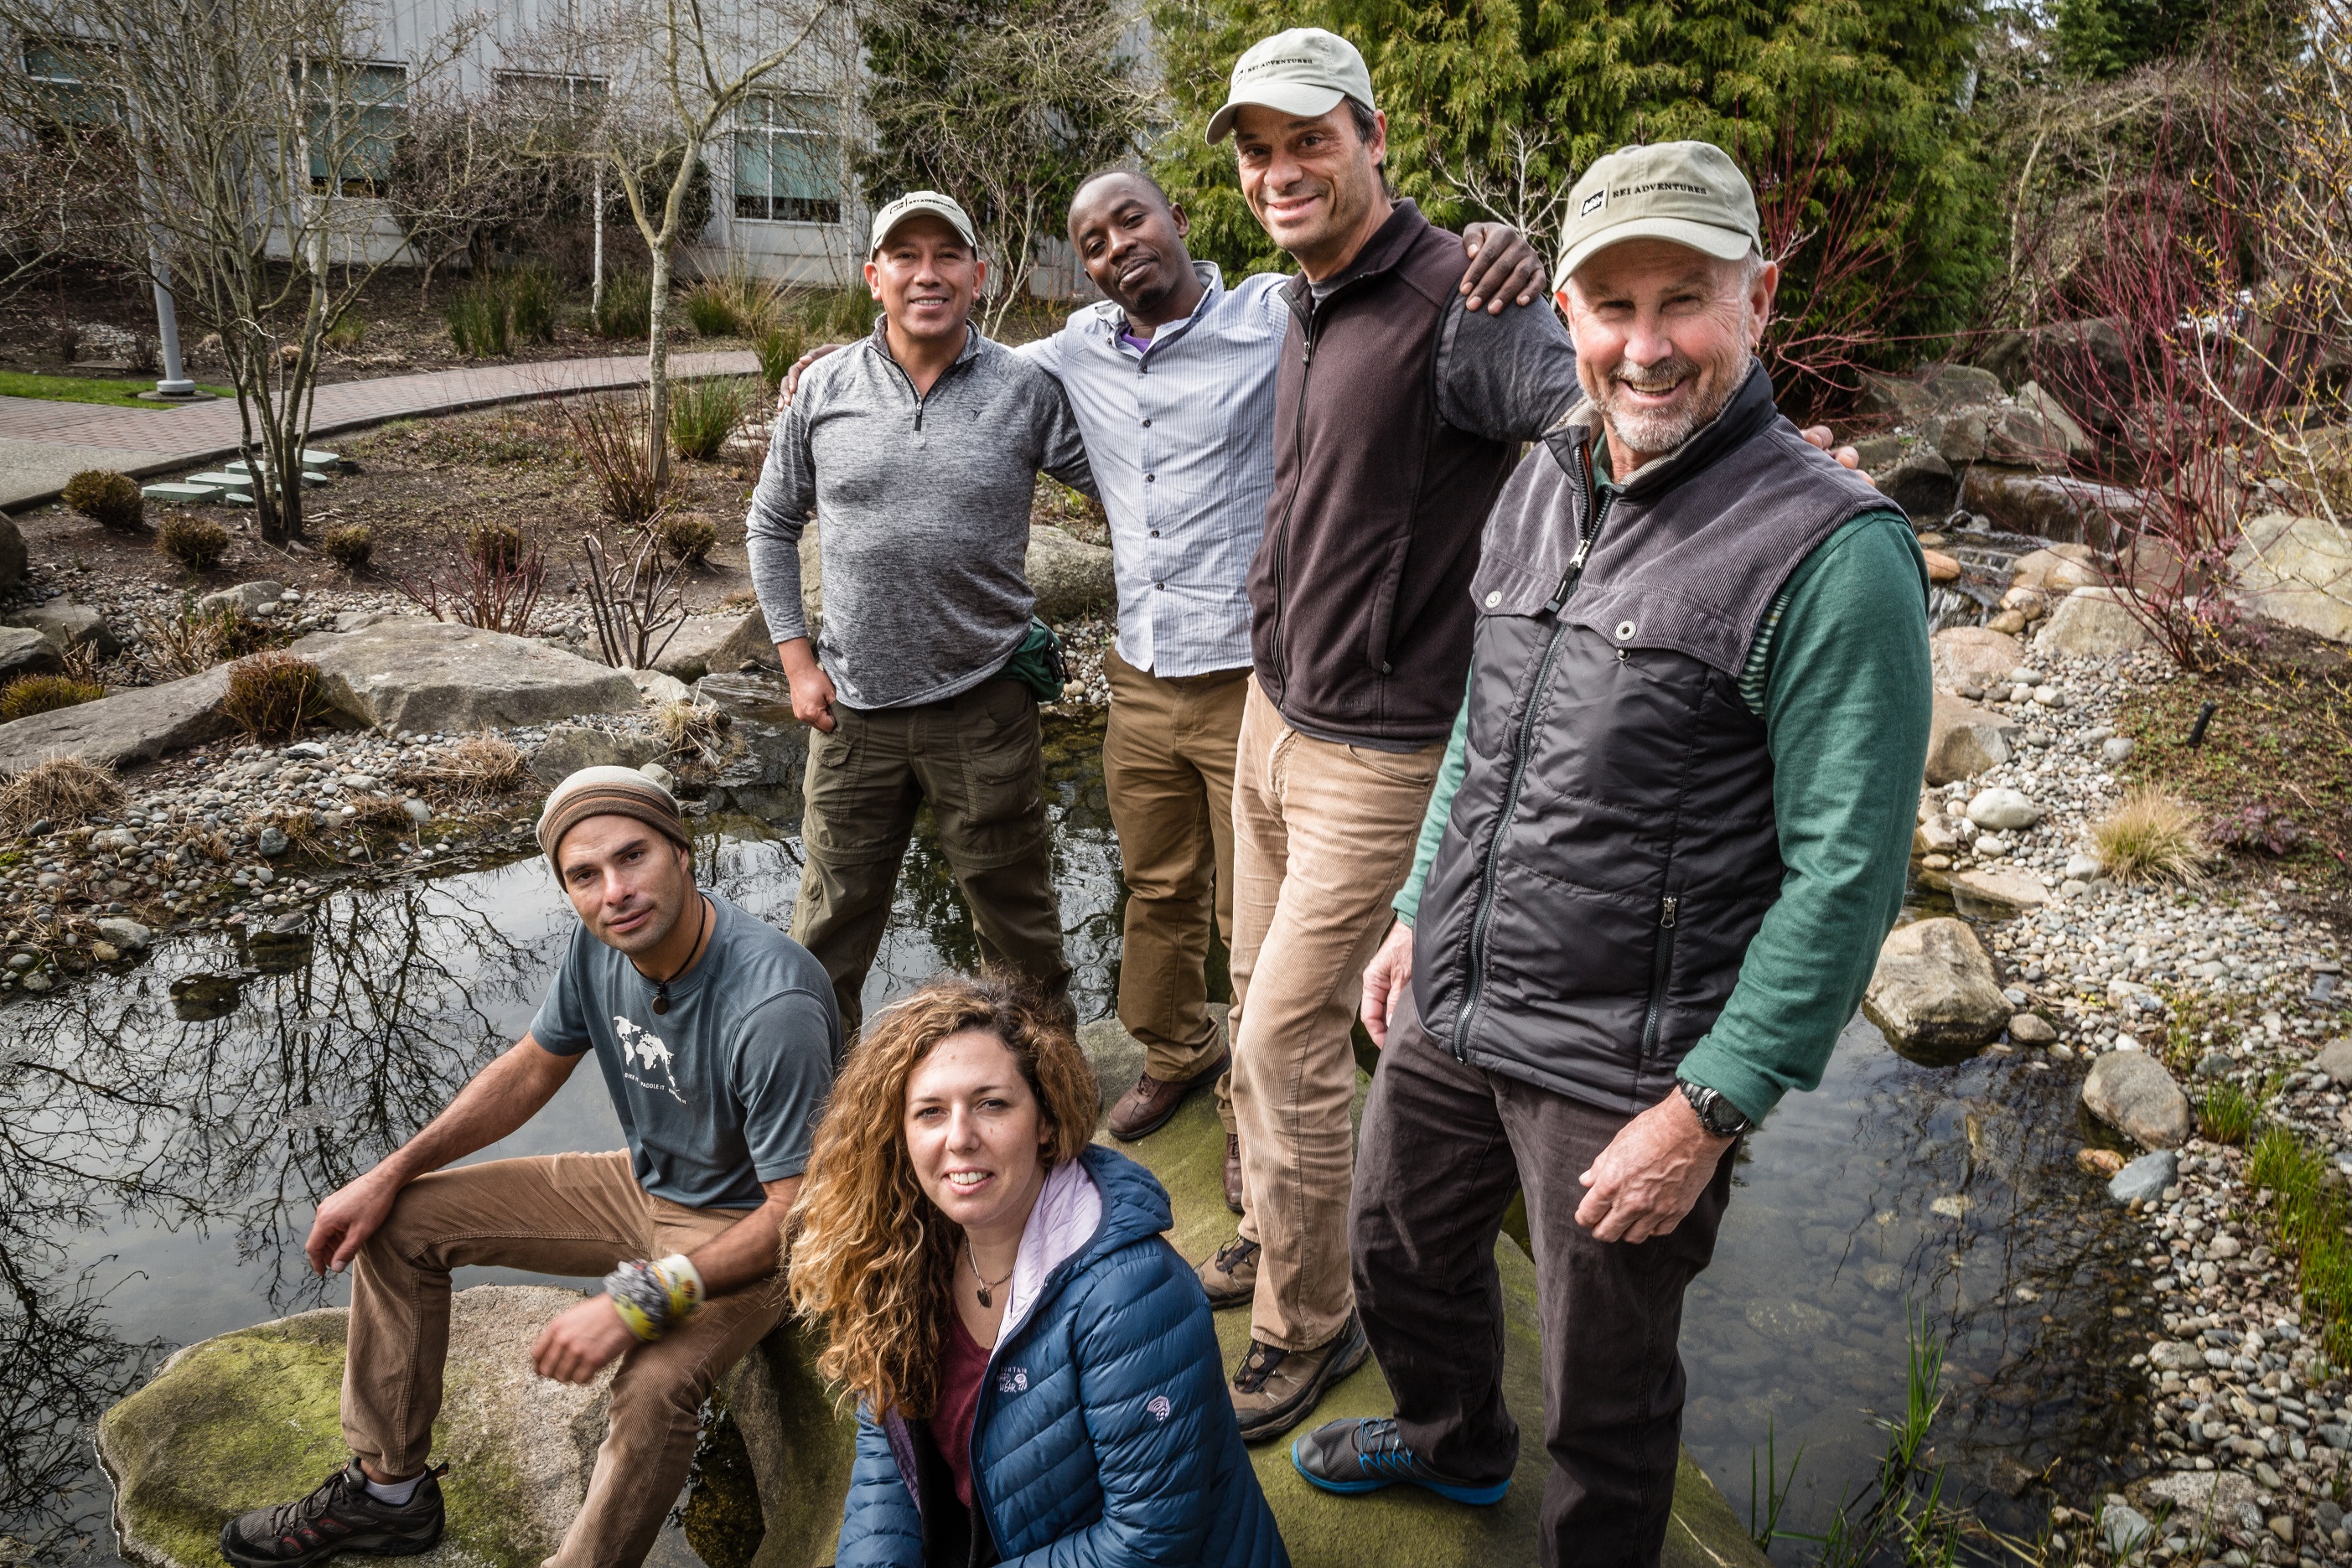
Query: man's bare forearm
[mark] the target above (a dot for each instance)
(752, 1248)
(501, 1098)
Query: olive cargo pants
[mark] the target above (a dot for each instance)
(977, 758)
(556, 1213)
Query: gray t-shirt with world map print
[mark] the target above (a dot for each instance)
(722, 1091)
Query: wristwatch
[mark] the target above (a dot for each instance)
(1716, 1114)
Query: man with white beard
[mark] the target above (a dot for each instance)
(1670, 832)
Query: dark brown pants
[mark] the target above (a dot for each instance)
(1444, 1148)
(978, 759)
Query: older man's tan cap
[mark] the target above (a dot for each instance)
(1304, 71)
(1687, 191)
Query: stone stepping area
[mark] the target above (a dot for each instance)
(43, 443)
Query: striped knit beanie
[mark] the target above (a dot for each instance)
(608, 792)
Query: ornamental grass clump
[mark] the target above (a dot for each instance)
(2308, 1213)
(688, 536)
(63, 791)
(704, 413)
(272, 695)
(349, 546)
(196, 543)
(108, 499)
(2151, 837)
(29, 695)
(481, 320)
(2227, 1116)
(627, 308)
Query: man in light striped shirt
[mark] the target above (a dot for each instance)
(1172, 377)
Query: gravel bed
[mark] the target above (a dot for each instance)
(2252, 1422)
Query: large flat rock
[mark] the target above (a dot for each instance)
(1403, 1527)
(1973, 655)
(433, 675)
(1964, 740)
(135, 725)
(1069, 577)
(1934, 993)
(2297, 571)
(250, 1418)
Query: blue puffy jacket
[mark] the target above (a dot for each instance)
(1103, 1435)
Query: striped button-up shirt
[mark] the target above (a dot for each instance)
(1181, 439)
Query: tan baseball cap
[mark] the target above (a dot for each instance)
(899, 211)
(1304, 71)
(1687, 191)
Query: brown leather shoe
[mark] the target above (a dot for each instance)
(1276, 1389)
(1230, 1275)
(1145, 1109)
(1232, 1173)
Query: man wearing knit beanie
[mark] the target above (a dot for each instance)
(718, 1039)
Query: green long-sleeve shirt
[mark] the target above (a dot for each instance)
(1838, 674)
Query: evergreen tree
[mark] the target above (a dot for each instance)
(1848, 115)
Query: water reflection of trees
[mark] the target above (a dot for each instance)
(120, 1109)
(751, 854)
(1944, 1191)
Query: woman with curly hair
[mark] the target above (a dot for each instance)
(1035, 1368)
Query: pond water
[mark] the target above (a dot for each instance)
(169, 1131)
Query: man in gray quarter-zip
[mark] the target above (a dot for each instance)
(1672, 828)
(919, 449)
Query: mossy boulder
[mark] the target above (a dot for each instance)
(1403, 1527)
(250, 1418)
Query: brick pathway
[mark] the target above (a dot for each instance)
(44, 443)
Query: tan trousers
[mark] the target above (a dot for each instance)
(1323, 837)
(556, 1213)
(1167, 768)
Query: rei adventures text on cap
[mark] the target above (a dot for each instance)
(1690, 193)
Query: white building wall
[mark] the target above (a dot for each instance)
(512, 35)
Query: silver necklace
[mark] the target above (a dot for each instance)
(986, 1285)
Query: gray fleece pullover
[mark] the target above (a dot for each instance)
(923, 511)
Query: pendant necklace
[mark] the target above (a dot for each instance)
(985, 1285)
(661, 987)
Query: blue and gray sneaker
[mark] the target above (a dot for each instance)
(1359, 1455)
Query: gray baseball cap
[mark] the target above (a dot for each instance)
(899, 211)
(1304, 71)
(1687, 191)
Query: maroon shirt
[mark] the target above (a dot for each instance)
(963, 1361)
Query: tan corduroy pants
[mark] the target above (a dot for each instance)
(556, 1213)
(1168, 770)
(1323, 837)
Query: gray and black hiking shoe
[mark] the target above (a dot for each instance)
(341, 1516)
(1356, 1455)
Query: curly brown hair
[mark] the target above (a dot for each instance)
(872, 1258)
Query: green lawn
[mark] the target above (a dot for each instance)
(85, 389)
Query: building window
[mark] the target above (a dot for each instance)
(789, 159)
(551, 94)
(59, 73)
(351, 119)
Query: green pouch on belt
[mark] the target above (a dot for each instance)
(1037, 663)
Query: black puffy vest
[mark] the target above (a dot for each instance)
(1611, 849)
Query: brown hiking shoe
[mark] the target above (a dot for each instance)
(1145, 1109)
(1232, 1173)
(1230, 1276)
(1276, 1389)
